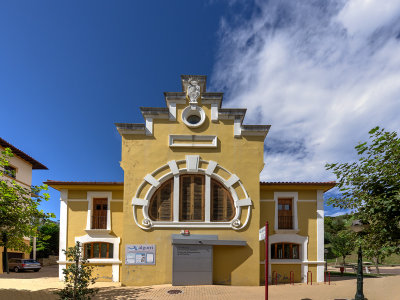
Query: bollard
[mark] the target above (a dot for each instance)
(291, 277)
(329, 277)
(276, 277)
(309, 272)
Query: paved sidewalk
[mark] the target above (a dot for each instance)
(30, 285)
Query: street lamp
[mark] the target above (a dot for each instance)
(357, 226)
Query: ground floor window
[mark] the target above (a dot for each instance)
(285, 251)
(98, 250)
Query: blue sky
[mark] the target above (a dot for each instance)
(322, 73)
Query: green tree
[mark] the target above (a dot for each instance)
(343, 244)
(371, 187)
(47, 239)
(20, 215)
(77, 276)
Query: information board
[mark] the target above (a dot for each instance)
(140, 254)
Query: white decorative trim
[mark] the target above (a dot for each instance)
(232, 180)
(320, 233)
(138, 201)
(210, 141)
(90, 196)
(237, 127)
(63, 230)
(320, 273)
(175, 202)
(192, 166)
(150, 179)
(214, 112)
(61, 267)
(172, 111)
(77, 200)
(106, 239)
(115, 272)
(207, 200)
(193, 110)
(304, 271)
(149, 126)
(306, 200)
(290, 238)
(211, 167)
(295, 197)
(192, 163)
(244, 202)
(174, 167)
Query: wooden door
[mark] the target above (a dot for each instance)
(99, 217)
(285, 216)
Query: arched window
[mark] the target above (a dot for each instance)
(222, 209)
(192, 201)
(160, 208)
(98, 250)
(285, 251)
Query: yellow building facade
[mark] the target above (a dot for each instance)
(191, 205)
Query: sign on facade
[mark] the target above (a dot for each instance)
(261, 234)
(140, 254)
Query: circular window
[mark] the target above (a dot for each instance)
(193, 119)
(193, 116)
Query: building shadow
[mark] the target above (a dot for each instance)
(121, 293)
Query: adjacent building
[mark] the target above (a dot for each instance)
(20, 170)
(191, 205)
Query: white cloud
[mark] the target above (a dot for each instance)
(319, 72)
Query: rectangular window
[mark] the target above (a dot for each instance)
(285, 251)
(10, 171)
(285, 216)
(192, 198)
(99, 217)
(98, 250)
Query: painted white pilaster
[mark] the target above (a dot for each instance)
(320, 234)
(175, 201)
(61, 267)
(63, 230)
(207, 204)
(172, 111)
(115, 272)
(214, 112)
(149, 126)
(304, 270)
(237, 127)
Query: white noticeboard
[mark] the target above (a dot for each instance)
(140, 254)
(261, 234)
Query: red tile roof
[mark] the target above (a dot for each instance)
(35, 164)
(54, 182)
(298, 182)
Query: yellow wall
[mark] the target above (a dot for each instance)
(102, 272)
(283, 271)
(77, 218)
(307, 216)
(142, 155)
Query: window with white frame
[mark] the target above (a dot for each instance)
(191, 193)
(192, 200)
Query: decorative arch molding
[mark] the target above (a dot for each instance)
(173, 169)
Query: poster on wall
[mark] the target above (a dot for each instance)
(140, 254)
